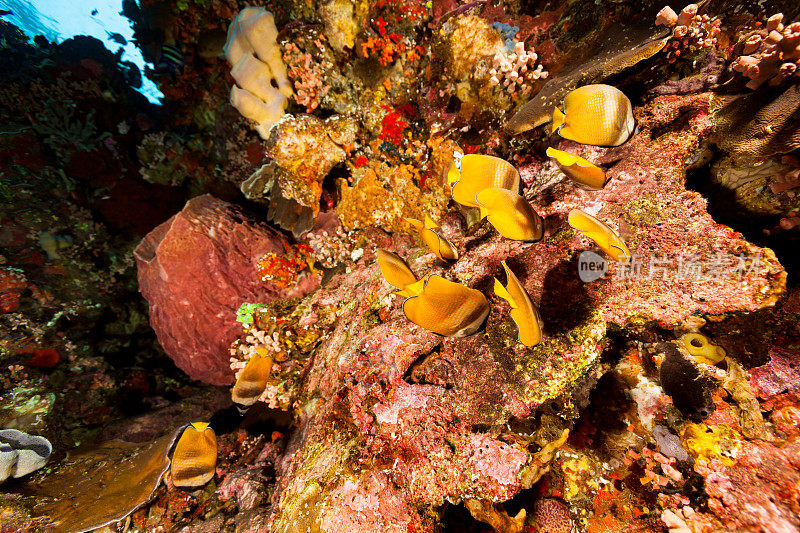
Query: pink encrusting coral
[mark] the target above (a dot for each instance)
(770, 55)
(516, 69)
(692, 31)
(307, 74)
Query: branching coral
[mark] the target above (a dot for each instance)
(387, 46)
(770, 55)
(330, 247)
(307, 73)
(692, 31)
(272, 332)
(516, 69)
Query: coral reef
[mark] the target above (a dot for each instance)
(253, 53)
(615, 349)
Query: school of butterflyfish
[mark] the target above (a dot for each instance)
(599, 115)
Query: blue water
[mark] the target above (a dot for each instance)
(59, 20)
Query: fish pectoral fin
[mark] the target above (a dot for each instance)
(483, 211)
(558, 119)
(503, 293)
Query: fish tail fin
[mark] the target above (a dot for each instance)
(415, 223)
(415, 289)
(503, 293)
(430, 224)
(558, 119)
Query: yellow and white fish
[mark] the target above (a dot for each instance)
(479, 172)
(583, 172)
(194, 460)
(252, 382)
(510, 214)
(599, 114)
(447, 308)
(605, 237)
(444, 249)
(524, 313)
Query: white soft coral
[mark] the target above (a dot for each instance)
(516, 70)
(253, 52)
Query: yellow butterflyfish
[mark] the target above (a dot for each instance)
(510, 214)
(441, 247)
(599, 114)
(605, 237)
(578, 169)
(252, 382)
(524, 313)
(479, 172)
(447, 308)
(194, 460)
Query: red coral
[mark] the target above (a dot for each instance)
(392, 127)
(12, 283)
(282, 271)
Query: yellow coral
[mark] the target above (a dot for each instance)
(384, 196)
(702, 349)
(704, 442)
(471, 40)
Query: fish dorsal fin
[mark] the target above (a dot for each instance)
(503, 293)
(453, 174)
(416, 223)
(415, 289)
(558, 119)
(563, 158)
(430, 224)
